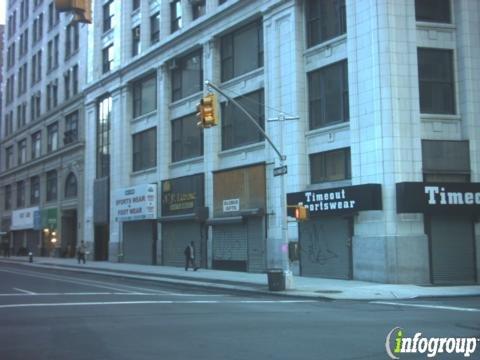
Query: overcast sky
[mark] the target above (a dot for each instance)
(3, 3)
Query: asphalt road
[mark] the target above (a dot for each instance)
(51, 314)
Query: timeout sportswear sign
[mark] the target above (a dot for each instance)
(439, 198)
(136, 203)
(338, 201)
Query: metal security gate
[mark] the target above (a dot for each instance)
(241, 246)
(175, 237)
(325, 247)
(452, 250)
(139, 242)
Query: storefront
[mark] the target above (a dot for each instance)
(183, 219)
(25, 237)
(450, 211)
(325, 239)
(239, 234)
(5, 235)
(51, 242)
(136, 209)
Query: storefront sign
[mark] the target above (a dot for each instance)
(344, 200)
(440, 198)
(182, 195)
(48, 218)
(136, 203)
(231, 205)
(23, 219)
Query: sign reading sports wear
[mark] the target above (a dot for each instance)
(343, 200)
(440, 198)
(23, 219)
(136, 203)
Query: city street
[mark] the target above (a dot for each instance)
(53, 314)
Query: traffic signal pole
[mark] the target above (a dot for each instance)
(284, 246)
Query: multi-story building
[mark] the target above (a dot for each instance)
(2, 31)
(41, 179)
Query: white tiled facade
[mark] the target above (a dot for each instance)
(384, 131)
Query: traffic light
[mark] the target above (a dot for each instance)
(301, 213)
(207, 111)
(81, 9)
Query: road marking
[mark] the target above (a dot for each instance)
(437, 307)
(112, 293)
(157, 302)
(24, 291)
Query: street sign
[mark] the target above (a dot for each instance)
(282, 170)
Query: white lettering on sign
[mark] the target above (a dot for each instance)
(136, 203)
(328, 201)
(231, 205)
(439, 196)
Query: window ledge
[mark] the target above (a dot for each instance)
(440, 117)
(436, 25)
(151, 170)
(195, 160)
(144, 116)
(244, 148)
(335, 127)
(243, 77)
(326, 44)
(329, 184)
(182, 101)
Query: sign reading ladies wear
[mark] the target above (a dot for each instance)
(439, 198)
(343, 200)
(136, 203)
(23, 219)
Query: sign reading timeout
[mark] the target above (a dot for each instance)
(231, 205)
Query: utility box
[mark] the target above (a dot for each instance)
(276, 279)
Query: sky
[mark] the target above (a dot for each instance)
(2, 11)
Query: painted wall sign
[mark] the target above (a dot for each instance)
(23, 218)
(440, 198)
(136, 203)
(343, 200)
(231, 205)
(182, 195)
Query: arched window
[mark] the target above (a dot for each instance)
(71, 186)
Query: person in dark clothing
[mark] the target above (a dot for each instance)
(81, 252)
(190, 256)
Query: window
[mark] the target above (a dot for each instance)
(433, 10)
(22, 152)
(136, 40)
(104, 109)
(326, 19)
(52, 137)
(198, 9)
(107, 16)
(187, 75)
(135, 4)
(36, 145)
(49, 55)
(8, 197)
(71, 128)
(71, 186)
(145, 149)
(155, 28)
(175, 16)
(237, 129)
(35, 103)
(328, 95)
(242, 51)
(187, 138)
(24, 10)
(52, 185)
(66, 84)
(144, 95)
(436, 81)
(107, 56)
(8, 123)
(56, 42)
(75, 80)
(34, 190)
(21, 115)
(11, 54)
(330, 166)
(9, 157)
(20, 194)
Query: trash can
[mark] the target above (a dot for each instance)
(276, 280)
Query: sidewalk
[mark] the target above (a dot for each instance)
(305, 287)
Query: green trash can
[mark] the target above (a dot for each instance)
(276, 279)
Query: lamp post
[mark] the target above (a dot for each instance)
(50, 235)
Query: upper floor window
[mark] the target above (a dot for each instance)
(8, 197)
(52, 137)
(136, 40)
(433, 11)
(237, 129)
(53, 15)
(104, 109)
(436, 81)
(75, 79)
(328, 95)
(8, 123)
(135, 4)
(198, 8)
(175, 16)
(107, 58)
(12, 24)
(21, 115)
(71, 188)
(326, 19)
(72, 39)
(107, 16)
(9, 157)
(22, 152)
(187, 75)
(34, 190)
(242, 51)
(144, 94)
(155, 28)
(24, 10)
(71, 128)
(144, 149)
(52, 185)
(21, 194)
(36, 145)
(187, 138)
(330, 166)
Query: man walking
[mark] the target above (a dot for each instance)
(190, 256)
(81, 252)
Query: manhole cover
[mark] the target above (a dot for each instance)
(328, 291)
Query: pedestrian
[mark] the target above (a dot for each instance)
(190, 256)
(81, 252)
